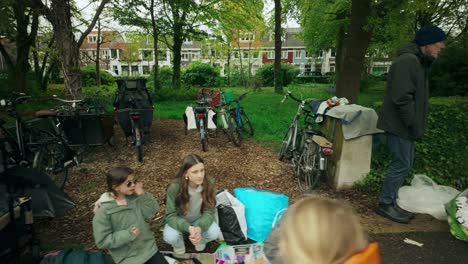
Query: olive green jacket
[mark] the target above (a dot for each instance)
(406, 100)
(180, 223)
(112, 227)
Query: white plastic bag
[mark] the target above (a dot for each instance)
(426, 197)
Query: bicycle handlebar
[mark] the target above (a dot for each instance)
(14, 99)
(289, 94)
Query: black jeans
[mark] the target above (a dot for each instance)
(157, 258)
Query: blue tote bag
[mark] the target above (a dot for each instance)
(261, 209)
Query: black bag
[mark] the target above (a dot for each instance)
(229, 225)
(74, 256)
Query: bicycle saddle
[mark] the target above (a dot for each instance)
(45, 113)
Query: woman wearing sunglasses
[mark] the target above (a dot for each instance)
(119, 221)
(190, 207)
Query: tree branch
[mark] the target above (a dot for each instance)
(93, 22)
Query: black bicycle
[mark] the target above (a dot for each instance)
(37, 143)
(306, 148)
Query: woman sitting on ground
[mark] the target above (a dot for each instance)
(322, 231)
(190, 207)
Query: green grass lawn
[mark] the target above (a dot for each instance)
(268, 115)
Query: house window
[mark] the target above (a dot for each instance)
(134, 70)
(116, 69)
(194, 56)
(247, 37)
(271, 54)
(146, 69)
(113, 53)
(236, 54)
(124, 70)
(256, 54)
(245, 54)
(147, 55)
(162, 55)
(284, 54)
(333, 53)
(297, 54)
(307, 55)
(185, 56)
(92, 39)
(332, 68)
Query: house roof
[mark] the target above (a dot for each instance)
(292, 39)
(111, 40)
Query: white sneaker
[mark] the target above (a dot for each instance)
(179, 251)
(200, 247)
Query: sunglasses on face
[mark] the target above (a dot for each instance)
(130, 183)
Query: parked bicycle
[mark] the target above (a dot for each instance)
(242, 121)
(305, 147)
(226, 120)
(36, 143)
(135, 115)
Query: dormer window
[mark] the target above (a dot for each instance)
(246, 37)
(94, 38)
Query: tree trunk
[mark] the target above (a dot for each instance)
(98, 54)
(340, 51)
(60, 18)
(177, 48)
(356, 45)
(278, 72)
(27, 18)
(156, 81)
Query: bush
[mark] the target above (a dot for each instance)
(165, 78)
(170, 94)
(88, 76)
(267, 74)
(200, 74)
(441, 155)
(102, 97)
(449, 74)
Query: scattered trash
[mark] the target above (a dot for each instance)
(412, 242)
(426, 197)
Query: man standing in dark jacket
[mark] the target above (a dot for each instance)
(404, 113)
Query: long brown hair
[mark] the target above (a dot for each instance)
(183, 197)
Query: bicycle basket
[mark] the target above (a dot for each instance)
(227, 96)
(212, 97)
(87, 128)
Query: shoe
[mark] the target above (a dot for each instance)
(389, 212)
(405, 212)
(200, 247)
(179, 251)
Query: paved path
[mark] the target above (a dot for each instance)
(438, 248)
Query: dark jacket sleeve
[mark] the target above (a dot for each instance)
(403, 88)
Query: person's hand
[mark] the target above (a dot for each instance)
(139, 188)
(135, 231)
(195, 234)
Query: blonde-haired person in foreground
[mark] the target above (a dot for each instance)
(322, 231)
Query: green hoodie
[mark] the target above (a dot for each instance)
(405, 107)
(112, 227)
(180, 223)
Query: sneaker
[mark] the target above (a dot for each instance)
(405, 212)
(179, 251)
(200, 247)
(389, 212)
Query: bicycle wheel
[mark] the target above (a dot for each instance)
(246, 126)
(50, 159)
(234, 131)
(138, 142)
(308, 167)
(203, 140)
(285, 150)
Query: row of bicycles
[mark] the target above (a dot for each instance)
(223, 112)
(53, 140)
